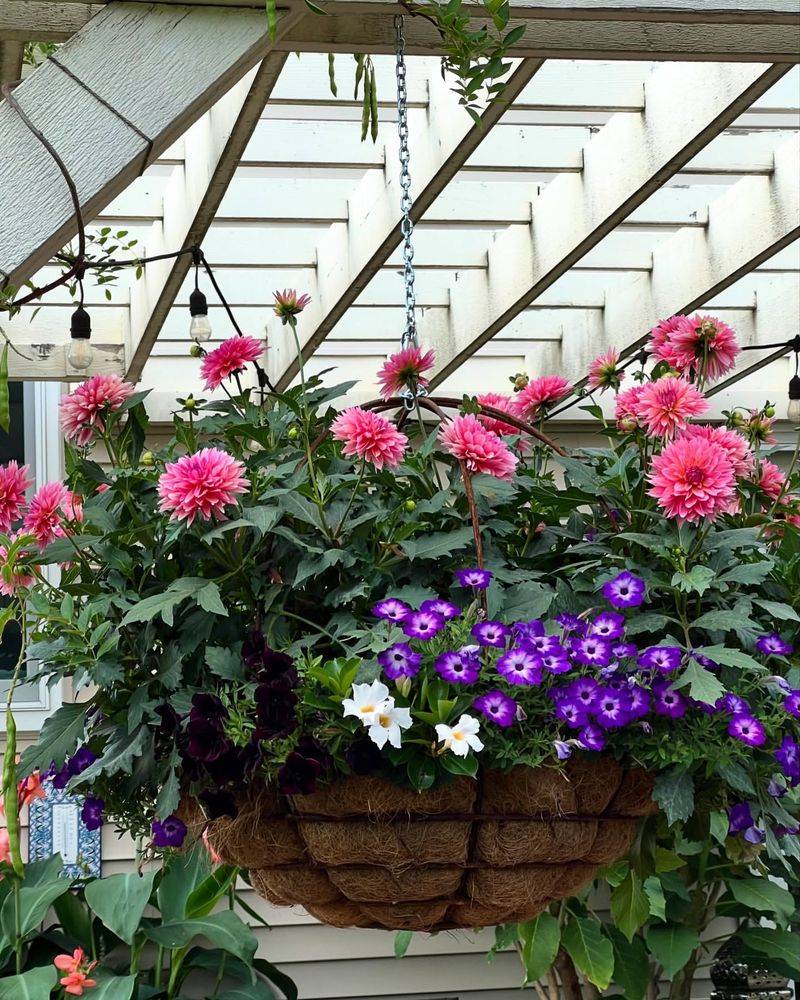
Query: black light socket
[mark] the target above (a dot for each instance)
(198, 305)
(81, 325)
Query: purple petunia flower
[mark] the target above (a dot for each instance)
(457, 668)
(786, 831)
(774, 645)
(592, 738)
(570, 711)
(585, 691)
(92, 813)
(732, 703)
(591, 651)
(776, 789)
(610, 711)
(497, 707)
(663, 658)
(704, 661)
(792, 704)
(423, 625)
(625, 649)
(740, 817)
(543, 644)
(624, 591)
(391, 610)
(563, 750)
(399, 661)
(571, 623)
(441, 607)
(747, 729)
(491, 634)
(788, 756)
(479, 579)
(754, 836)
(556, 662)
(667, 702)
(608, 625)
(528, 630)
(639, 702)
(170, 832)
(520, 666)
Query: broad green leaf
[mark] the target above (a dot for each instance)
(775, 943)
(736, 776)
(402, 940)
(631, 965)
(763, 895)
(168, 795)
(778, 610)
(119, 901)
(276, 977)
(746, 573)
(264, 518)
(210, 600)
(540, 941)
(718, 826)
(630, 906)
(181, 876)
(667, 861)
(225, 930)
(57, 740)
(226, 662)
(205, 897)
(655, 897)
(671, 947)
(35, 984)
(723, 620)
(248, 991)
(703, 685)
(34, 902)
(440, 543)
(589, 949)
(674, 792)
(525, 601)
(110, 987)
(696, 581)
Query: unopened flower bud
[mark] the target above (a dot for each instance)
(403, 685)
(190, 404)
(519, 381)
(410, 506)
(148, 459)
(769, 411)
(196, 351)
(293, 434)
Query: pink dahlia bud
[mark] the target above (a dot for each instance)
(405, 370)
(288, 304)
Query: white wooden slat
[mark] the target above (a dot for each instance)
(575, 212)
(350, 254)
(34, 20)
(185, 59)
(213, 147)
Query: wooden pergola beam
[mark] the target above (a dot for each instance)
(186, 59)
(11, 54)
(41, 21)
(213, 148)
(353, 252)
(630, 159)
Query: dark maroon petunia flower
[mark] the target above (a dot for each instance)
(298, 775)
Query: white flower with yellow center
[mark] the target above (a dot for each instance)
(462, 737)
(368, 702)
(388, 725)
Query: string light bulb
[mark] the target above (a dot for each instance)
(80, 351)
(200, 326)
(793, 409)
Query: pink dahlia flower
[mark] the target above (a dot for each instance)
(604, 372)
(405, 369)
(693, 479)
(696, 338)
(736, 447)
(500, 401)
(369, 436)
(82, 412)
(232, 356)
(540, 393)
(201, 484)
(665, 406)
(770, 479)
(661, 339)
(479, 449)
(626, 410)
(52, 505)
(13, 483)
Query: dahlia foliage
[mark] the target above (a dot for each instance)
(286, 593)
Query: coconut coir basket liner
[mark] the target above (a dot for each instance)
(362, 852)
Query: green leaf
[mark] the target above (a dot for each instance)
(703, 685)
(168, 795)
(723, 620)
(667, 861)
(746, 573)
(631, 965)
(205, 897)
(783, 945)
(655, 897)
(272, 18)
(247, 991)
(671, 947)
(275, 976)
(440, 543)
(119, 901)
(226, 662)
(181, 876)
(264, 518)
(778, 610)
(674, 792)
(33, 903)
(5, 405)
(630, 906)
(697, 580)
(110, 987)
(736, 776)
(35, 984)
(589, 949)
(718, 826)
(225, 930)
(209, 599)
(540, 942)
(402, 940)
(59, 737)
(525, 601)
(763, 895)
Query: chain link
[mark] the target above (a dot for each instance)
(406, 225)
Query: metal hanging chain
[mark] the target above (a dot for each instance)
(409, 337)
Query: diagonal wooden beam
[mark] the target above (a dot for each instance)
(353, 252)
(213, 148)
(186, 59)
(11, 60)
(630, 158)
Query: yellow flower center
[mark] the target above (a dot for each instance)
(366, 709)
(458, 736)
(385, 721)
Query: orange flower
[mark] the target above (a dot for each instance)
(30, 788)
(77, 968)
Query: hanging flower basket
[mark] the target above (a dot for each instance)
(363, 852)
